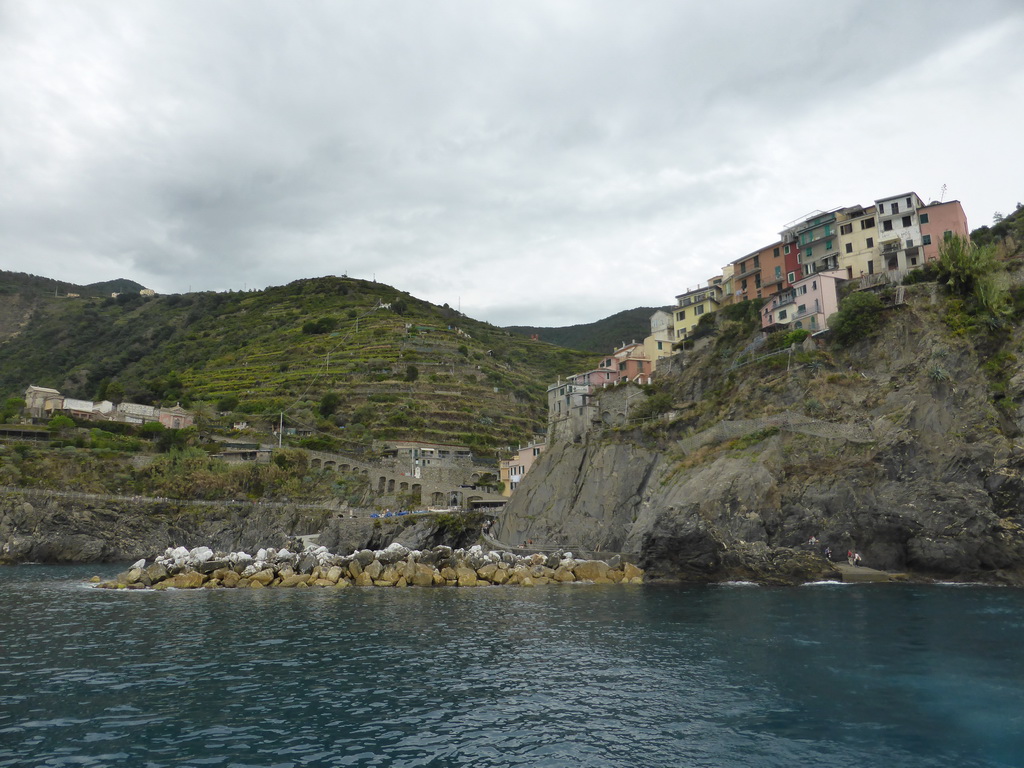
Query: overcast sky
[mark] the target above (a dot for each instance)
(542, 162)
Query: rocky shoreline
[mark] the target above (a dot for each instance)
(394, 566)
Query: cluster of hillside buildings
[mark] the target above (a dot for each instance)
(43, 402)
(795, 280)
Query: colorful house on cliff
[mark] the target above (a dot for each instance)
(694, 304)
(807, 305)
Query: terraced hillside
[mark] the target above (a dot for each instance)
(347, 360)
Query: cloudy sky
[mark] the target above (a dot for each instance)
(540, 162)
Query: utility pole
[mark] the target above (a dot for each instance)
(280, 429)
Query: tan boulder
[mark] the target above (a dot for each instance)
(401, 582)
(439, 580)
(591, 570)
(563, 575)
(466, 577)
(230, 579)
(363, 580)
(635, 580)
(527, 581)
(375, 569)
(185, 580)
(500, 577)
(423, 575)
(243, 583)
(487, 572)
(323, 583)
(354, 569)
(342, 583)
(615, 575)
(389, 575)
(264, 577)
(630, 571)
(449, 574)
(333, 574)
(294, 580)
(257, 585)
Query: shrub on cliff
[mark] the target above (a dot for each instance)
(859, 316)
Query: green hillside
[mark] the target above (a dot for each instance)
(328, 353)
(599, 337)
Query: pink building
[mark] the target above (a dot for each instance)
(807, 305)
(629, 362)
(939, 221)
(513, 470)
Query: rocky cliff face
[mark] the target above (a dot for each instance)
(896, 448)
(37, 527)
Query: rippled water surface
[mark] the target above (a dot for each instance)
(873, 675)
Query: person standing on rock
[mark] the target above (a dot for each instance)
(849, 556)
(856, 558)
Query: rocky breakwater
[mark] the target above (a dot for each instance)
(394, 566)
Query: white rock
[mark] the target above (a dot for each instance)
(201, 554)
(138, 564)
(261, 554)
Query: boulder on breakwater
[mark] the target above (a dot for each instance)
(395, 566)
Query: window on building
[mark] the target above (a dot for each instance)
(907, 221)
(910, 243)
(803, 289)
(757, 281)
(871, 242)
(913, 261)
(681, 314)
(775, 253)
(778, 273)
(698, 310)
(807, 253)
(871, 267)
(887, 225)
(947, 235)
(926, 239)
(895, 207)
(828, 245)
(814, 285)
(924, 218)
(849, 247)
(743, 284)
(757, 262)
(868, 223)
(782, 314)
(846, 229)
(787, 250)
(909, 204)
(791, 277)
(659, 346)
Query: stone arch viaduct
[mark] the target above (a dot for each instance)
(448, 484)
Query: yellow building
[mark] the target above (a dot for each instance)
(858, 241)
(692, 306)
(663, 336)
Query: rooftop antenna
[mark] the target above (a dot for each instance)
(942, 197)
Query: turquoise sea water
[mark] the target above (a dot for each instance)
(868, 675)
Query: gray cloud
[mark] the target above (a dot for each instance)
(544, 163)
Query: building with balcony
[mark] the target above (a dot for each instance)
(816, 236)
(807, 305)
(511, 471)
(694, 304)
(899, 232)
(630, 362)
(939, 221)
(858, 240)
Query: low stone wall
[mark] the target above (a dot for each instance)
(395, 566)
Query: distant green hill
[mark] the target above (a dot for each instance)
(349, 359)
(599, 337)
(121, 285)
